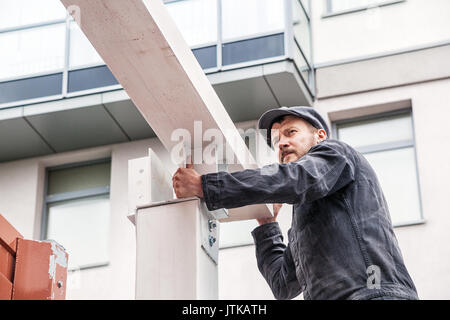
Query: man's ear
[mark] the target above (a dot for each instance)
(321, 135)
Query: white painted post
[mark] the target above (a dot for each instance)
(176, 239)
(171, 258)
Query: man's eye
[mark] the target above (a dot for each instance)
(292, 131)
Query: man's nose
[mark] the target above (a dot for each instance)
(283, 143)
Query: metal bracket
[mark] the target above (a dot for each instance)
(209, 230)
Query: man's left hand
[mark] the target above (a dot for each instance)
(187, 182)
(276, 210)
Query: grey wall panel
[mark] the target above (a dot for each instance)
(246, 99)
(384, 72)
(130, 119)
(288, 90)
(31, 88)
(78, 128)
(18, 140)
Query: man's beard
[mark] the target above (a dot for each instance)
(290, 153)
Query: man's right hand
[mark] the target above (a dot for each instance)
(276, 209)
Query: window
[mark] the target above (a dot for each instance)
(16, 13)
(251, 17)
(32, 51)
(253, 49)
(387, 142)
(196, 20)
(82, 53)
(77, 211)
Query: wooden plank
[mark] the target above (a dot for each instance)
(148, 56)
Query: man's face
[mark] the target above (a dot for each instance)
(293, 137)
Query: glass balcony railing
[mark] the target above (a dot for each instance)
(45, 56)
(301, 28)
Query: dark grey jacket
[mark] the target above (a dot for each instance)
(341, 242)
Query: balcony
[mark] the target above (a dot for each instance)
(56, 93)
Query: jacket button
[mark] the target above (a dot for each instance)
(296, 262)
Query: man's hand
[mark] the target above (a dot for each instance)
(187, 182)
(276, 209)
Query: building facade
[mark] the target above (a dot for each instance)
(378, 71)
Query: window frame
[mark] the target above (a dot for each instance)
(73, 195)
(387, 147)
(379, 3)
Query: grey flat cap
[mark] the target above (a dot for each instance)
(307, 113)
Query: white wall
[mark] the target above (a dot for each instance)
(384, 72)
(19, 183)
(388, 28)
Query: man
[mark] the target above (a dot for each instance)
(341, 242)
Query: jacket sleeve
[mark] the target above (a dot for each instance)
(322, 171)
(275, 262)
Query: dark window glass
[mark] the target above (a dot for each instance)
(31, 88)
(253, 49)
(89, 78)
